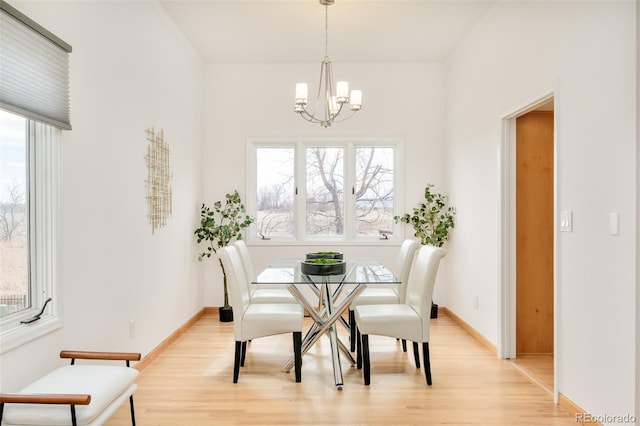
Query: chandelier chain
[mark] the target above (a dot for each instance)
(326, 30)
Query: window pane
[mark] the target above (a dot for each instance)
(374, 190)
(276, 188)
(325, 191)
(14, 243)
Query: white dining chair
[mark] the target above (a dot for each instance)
(260, 295)
(382, 295)
(254, 320)
(409, 320)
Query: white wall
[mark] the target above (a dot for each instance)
(130, 70)
(256, 100)
(585, 52)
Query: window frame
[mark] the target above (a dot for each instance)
(44, 158)
(349, 144)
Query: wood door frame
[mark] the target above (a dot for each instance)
(507, 233)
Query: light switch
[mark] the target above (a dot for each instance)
(614, 224)
(566, 221)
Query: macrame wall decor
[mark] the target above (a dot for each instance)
(158, 179)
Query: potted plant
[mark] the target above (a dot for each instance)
(218, 227)
(432, 221)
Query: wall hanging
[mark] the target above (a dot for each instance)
(158, 179)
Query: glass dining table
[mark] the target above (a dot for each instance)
(333, 294)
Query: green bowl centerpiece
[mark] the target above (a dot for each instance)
(323, 266)
(325, 255)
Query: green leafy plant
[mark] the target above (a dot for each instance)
(220, 225)
(432, 219)
(323, 261)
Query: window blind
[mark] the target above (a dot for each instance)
(34, 70)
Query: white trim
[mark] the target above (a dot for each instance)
(45, 165)
(507, 234)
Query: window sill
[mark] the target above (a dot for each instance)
(324, 242)
(20, 334)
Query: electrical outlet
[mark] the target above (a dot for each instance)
(132, 329)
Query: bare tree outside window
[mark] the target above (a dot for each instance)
(14, 242)
(325, 191)
(374, 190)
(362, 177)
(12, 213)
(275, 192)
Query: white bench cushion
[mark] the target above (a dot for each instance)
(105, 383)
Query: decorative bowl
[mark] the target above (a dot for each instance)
(323, 266)
(325, 255)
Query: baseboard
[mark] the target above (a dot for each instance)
(154, 353)
(472, 331)
(580, 415)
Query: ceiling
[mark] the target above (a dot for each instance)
(282, 31)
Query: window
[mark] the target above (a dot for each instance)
(29, 213)
(325, 189)
(34, 65)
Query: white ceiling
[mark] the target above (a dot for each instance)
(281, 31)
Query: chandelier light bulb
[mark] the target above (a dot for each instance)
(302, 96)
(356, 100)
(342, 91)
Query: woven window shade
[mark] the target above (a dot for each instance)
(34, 70)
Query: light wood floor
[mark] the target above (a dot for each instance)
(538, 368)
(190, 384)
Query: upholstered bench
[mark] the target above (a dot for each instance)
(74, 394)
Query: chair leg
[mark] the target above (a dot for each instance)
(236, 363)
(133, 413)
(297, 351)
(365, 360)
(244, 353)
(416, 354)
(427, 362)
(404, 345)
(359, 352)
(352, 329)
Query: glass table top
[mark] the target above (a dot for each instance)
(358, 271)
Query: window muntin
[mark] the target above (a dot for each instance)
(343, 190)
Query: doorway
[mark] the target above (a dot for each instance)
(534, 245)
(528, 242)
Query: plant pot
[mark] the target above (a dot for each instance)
(226, 314)
(434, 310)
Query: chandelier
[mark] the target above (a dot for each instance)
(329, 104)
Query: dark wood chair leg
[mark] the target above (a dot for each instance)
(416, 354)
(352, 330)
(297, 351)
(365, 360)
(236, 363)
(244, 353)
(427, 362)
(359, 352)
(404, 345)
